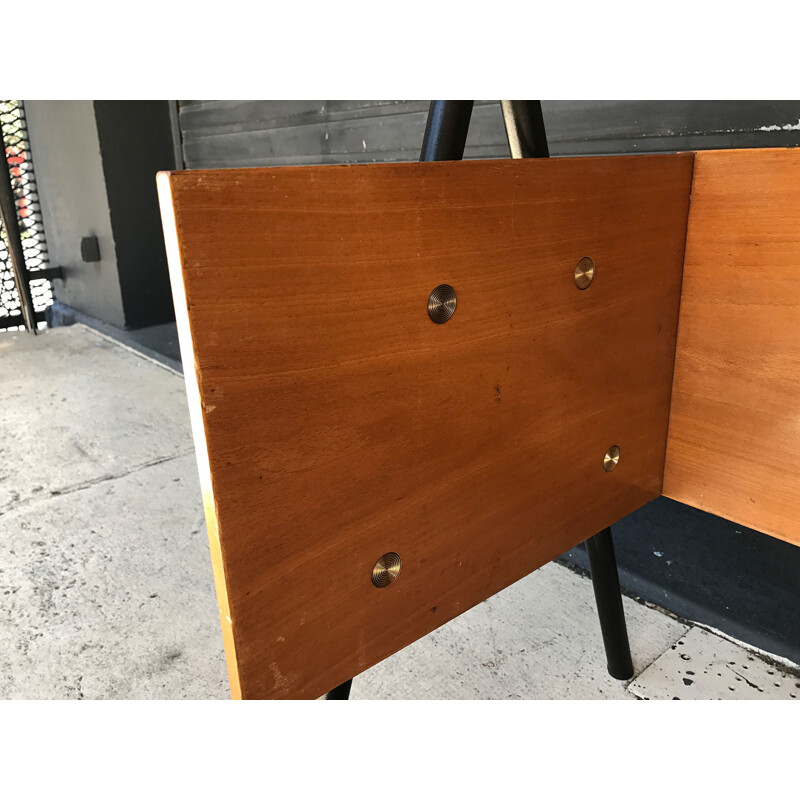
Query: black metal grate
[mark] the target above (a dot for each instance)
(20, 166)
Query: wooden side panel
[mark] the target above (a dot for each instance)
(734, 437)
(339, 423)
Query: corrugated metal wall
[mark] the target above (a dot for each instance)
(249, 133)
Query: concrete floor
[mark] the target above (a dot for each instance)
(105, 579)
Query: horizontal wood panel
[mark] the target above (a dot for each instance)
(734, 439)
(335, 422)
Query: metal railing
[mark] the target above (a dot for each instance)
(25, 276)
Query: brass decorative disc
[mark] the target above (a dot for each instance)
(442, 303)
(584, 273)
(611, 458)
(386, 570)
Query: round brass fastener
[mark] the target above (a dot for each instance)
(584, 273)
(442, 303)
(611, 458)
(386, 570)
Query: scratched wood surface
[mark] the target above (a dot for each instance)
(334, 422)
(734, 437)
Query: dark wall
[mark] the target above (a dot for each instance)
(135, 143)
(710, 570)
(225, 133)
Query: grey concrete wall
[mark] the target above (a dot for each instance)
(72, 190)
(272, 133)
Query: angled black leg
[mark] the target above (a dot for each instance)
(341, 692)
(603, 566)
(446, 131)
(445, 137)
(527, 138)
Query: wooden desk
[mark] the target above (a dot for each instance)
(334, 422)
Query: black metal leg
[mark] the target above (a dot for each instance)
(605, 578)
(446, 131)
(445, 137)
(527, 138)
(341, 692)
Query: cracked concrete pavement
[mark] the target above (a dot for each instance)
(106, 589)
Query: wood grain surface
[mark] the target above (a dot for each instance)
(734, 437)
(335, 422)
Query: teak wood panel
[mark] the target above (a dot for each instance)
(335, 422)
(734, 437)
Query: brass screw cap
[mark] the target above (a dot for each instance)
(386, 570)
(611, 458)
(584, 273)
(442, 303)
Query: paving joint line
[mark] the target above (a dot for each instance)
(79, 487)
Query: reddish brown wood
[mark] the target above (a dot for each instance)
(335, 422)
(734, 437)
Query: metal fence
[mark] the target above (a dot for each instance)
(31, 228)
